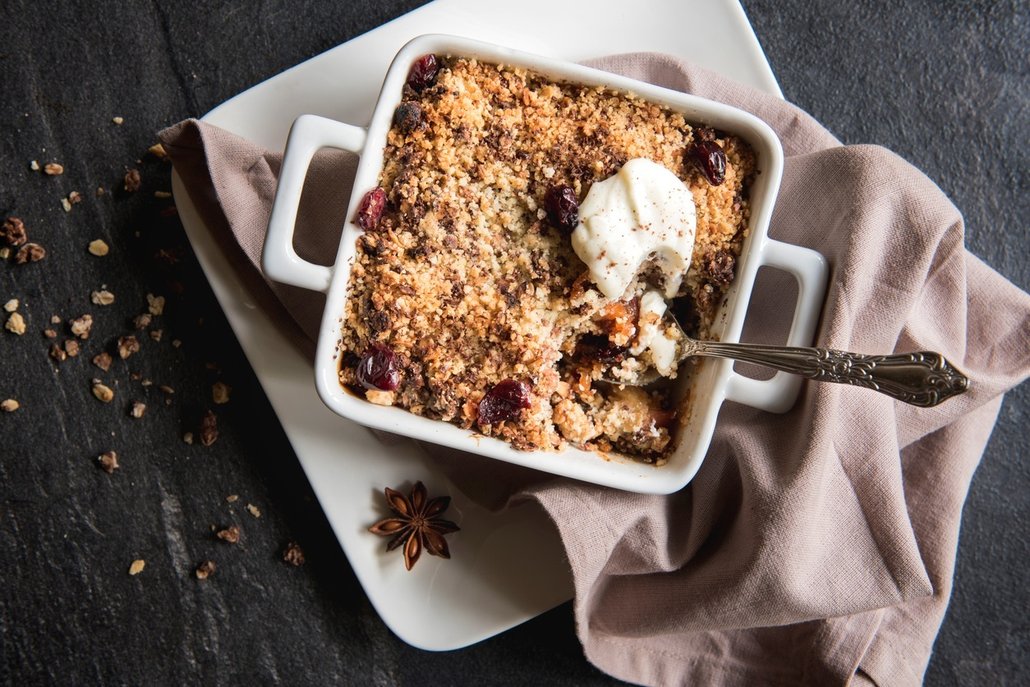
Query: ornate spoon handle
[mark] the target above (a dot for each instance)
(923, 379)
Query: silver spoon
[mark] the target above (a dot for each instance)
(923, 379)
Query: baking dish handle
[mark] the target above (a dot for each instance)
(308, 135)
(778, 394)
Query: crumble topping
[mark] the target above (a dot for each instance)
(462, 284)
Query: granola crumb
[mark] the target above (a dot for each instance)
(9, 405)
(108, 462)
(137, 409)
(176, 343)
(50, 333)
(57, 353)
(142, 321)
(34, 165)
(53, 169)
(5, 253)
(100, 192)
(30, 252)
(232, 498)
(188, 438)
(66, 204)
(208, 429)
(98, 248)
(253, 510)
(155, 304)
(145, 382)
(81, 326)
(13, 232)
(205, 570)
(229, 534)
(157, 334)
(162, 194)
(11, 305)
(71, 347)
(55, 319)
(127, 345)
(137, 566)
(158, 151)
(132, 181)
(220, 392)
(103, 360)
(117, 121)
(74, 197)
(293, 554)
(15, 324)
(166, 389)
(103, 392)
(102, 297)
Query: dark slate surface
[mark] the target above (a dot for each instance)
(943, 84)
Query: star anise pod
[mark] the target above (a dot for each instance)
(417, 525)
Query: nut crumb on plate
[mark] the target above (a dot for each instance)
(136, 567)
(98, 247)
(9, 405)
(108, 462)
(103, 392)
(15, 323)
(205, 570)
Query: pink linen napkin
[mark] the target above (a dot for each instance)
(815, 547)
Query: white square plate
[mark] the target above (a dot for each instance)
(489, 585)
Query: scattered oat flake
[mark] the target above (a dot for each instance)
(108, 462)
(11, 305)
(220, 392)
(15, 324)
(102, 360)
(158, 151)
(253, 510)
(229, 534)
(9, 405)
(188, 437)
(53, 169)
(66, 204)
(103, 392)
(293, 554)
(162, 194)
(30, 252)
(71, 347)
(155, 304)
(132, 181)
(232, 498)
(103, 297)
(81, 326)
(117, 120)
(137, 566)
(137, 409)
(99, 248)
(205, 570)
(34, 165)
(127, 345)
(208, 428)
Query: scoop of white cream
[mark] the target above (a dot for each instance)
(642, 211)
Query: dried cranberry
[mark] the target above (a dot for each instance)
(562, 207)
(710, 158)
(371, 208)
(408, 117)
(503, 402)
(423, 72)
(377, 369)
(600, 348)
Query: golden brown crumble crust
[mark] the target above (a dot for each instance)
(466, 281)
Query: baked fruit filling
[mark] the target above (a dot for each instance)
(491, 289)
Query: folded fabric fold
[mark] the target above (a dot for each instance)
(812, 547)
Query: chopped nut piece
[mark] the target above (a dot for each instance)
(15, 324)
(103, 297)
(142, 321)
(158, 151)
(66, 204)
(71, 347)
(34, 165)
(81, 326)
(132, 180)
(155, 304)
(98, 248)
(188, 438)
(205, 570)
(162, 194)
(30, 252)
(103, 392)
(49, 333)
(11, 305)
(108, 462)
(157, 334)
(293, 554)
(208, 428)
(58, 354)
(13, 232)
(127, 345)
(229, 534)
(102, 360)
(232, 498)
(9, 405)
(137, 409)
(74, 197)
(137, 566)
(53, 169)
(253, 510)
(54, 319)
(220, 392)
(117, 120)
